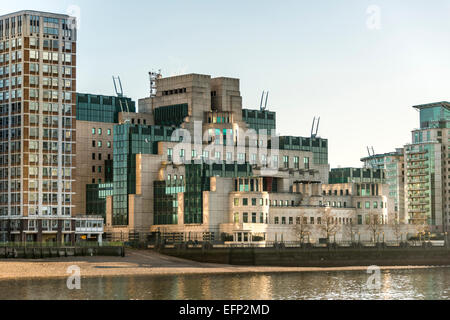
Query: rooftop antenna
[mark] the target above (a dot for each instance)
(315, 126)
(267, 98)
(119, 92)
(371, 152)
(153, 77)
(266, 94)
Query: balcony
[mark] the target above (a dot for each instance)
(418, 159)
(418, 166)
(418, 181)
(416, 174)
(420, 195)
(420, 203)
(417, 210)
(417, 152)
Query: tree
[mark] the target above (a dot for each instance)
(329, 224)
(397, 227)
(302, 228)
(374, 224)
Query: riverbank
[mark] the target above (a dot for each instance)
(144, 262)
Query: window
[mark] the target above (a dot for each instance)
(312, 220)
(291, 220)
(286, 162)
(296, 162)
(245, 217)
(254, 202)
(236, 202)
(306, 163)
(245, 202)
(276, 220)
(236, 217)
(99, 131)
(254, 217)
(367, 204)
(109, 132)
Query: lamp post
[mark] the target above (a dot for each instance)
(445, 239)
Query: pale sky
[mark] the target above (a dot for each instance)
(360, 70)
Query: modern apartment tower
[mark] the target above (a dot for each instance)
(38, 128)
(427, 167)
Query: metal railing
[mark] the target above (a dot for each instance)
(86, 244)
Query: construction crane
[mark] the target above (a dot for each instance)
(315, 127)
(266, 94)
(119, 92)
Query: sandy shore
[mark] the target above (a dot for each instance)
(139, 262)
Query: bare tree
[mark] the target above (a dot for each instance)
(328, 224)
(302, 228)
(397, 227)
(374, 224)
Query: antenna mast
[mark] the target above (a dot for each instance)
(315, 126)
(119, 92)
(153, 77)
(266, 94)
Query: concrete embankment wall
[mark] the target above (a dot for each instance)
(55, 252)
(296, 257)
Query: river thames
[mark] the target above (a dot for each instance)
(407, 284)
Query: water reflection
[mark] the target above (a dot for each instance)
(346, 285)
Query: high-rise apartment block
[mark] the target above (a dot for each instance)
(428, 167)
(38, 127)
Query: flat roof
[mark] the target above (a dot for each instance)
(35, 12)
(444, 104)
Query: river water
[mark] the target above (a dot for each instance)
(432, 283)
